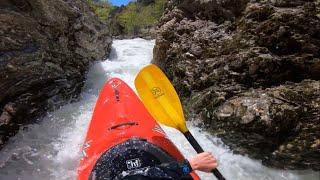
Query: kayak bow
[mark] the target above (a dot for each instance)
(123, 136)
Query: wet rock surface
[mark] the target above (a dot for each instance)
(45, 49)
(250, 70)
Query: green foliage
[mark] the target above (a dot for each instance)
(131, 19)
(101, 8)
(137, 16)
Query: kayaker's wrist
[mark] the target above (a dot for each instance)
(204, 161)
(193, 164)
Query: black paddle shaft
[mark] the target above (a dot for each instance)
(199, 149)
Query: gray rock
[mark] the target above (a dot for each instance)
(45, 49)
(242, 67)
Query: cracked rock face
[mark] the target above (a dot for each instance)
(45, 49)
(250, 71)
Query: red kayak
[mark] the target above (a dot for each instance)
(123, 136)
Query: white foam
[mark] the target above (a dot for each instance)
(232, 166)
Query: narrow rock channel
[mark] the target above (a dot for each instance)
(50, 148)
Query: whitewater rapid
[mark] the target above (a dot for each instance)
(50, 149)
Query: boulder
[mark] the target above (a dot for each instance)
(250, 71)
(45, 49)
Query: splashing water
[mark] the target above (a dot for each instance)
(51, 148)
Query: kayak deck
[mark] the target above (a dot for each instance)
(119, 116)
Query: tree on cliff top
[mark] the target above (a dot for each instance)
(102, 8)
(131, 19)
(140, 15)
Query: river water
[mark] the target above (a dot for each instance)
(50, 149)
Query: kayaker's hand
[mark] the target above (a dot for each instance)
(203, 162)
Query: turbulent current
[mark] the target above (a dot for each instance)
(50, 149)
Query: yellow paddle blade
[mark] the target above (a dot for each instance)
(160, 98)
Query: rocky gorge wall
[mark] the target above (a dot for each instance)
(45, 49)
(250, 71)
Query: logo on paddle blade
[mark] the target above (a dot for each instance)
(157, 92)
(133, 163)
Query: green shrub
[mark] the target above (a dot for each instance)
(137, 16)
(133, 18)
(101, 8)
